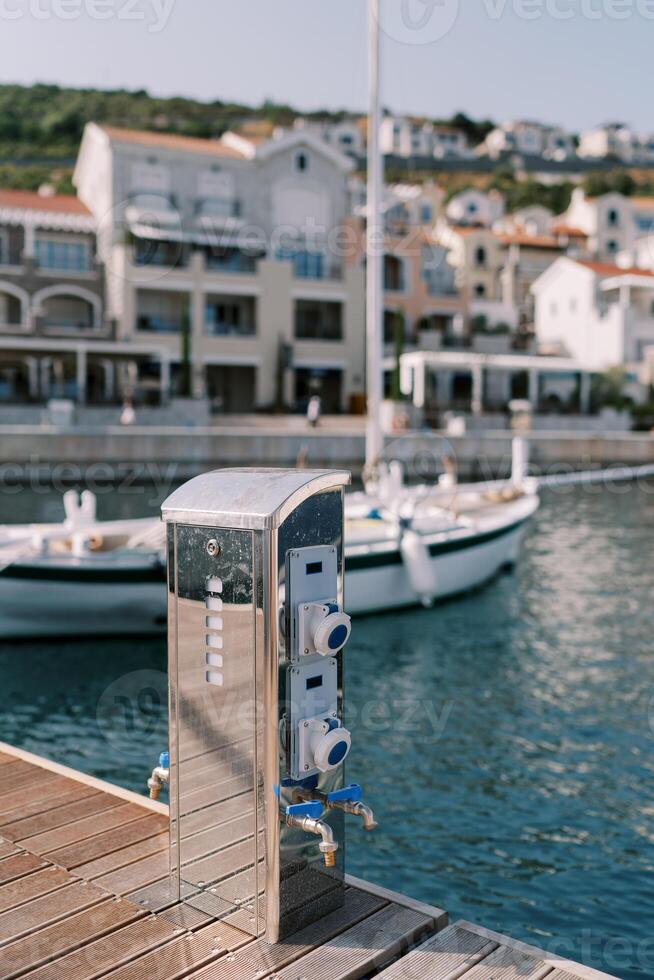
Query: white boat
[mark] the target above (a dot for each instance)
(88, 577)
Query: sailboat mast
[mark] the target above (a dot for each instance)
(374, 249)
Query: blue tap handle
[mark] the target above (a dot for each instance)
(312, 808)
(351, 793)
(164, 760)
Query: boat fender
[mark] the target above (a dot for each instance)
(420, 568)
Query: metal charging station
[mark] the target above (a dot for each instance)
(256, 739)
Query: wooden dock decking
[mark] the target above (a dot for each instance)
(75, 852)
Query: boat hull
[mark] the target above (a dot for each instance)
(374, 585)
(34, 607)
(76, 600)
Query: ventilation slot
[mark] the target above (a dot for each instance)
(214, 640)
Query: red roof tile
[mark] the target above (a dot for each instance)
(608, 269)
(33, 201)
(169, 141)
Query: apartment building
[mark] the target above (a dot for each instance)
(613, 140)
(598, 313)
(475, 207)
(226, 255)
(56, 338)
(347, 135)
(530, 139)
(406, 137)
(610, 221)
(526, 257)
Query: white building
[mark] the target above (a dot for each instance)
(615, 140)
(406, 137)
(474, 207)
(345, 135)
(233, 244)
(530, 139)
(608, 220)
(597, 313)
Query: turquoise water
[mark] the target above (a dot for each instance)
(504, 739)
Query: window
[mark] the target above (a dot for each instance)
(554, 309)
(480, 255)
(4, 247)
(62, 256)
(301, 162)
(150, 178)
(425, 213)
(306, 265)
(316, 320)
(393, 274)
(230, 317)
(613, 218)
(611, 247)
(471, 208)
(480, 289)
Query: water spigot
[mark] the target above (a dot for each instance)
(305, 816)
(347, 799)
(160, 776)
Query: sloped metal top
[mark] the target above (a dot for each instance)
(256, 498)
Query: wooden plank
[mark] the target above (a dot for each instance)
(363, 949)
(126, 855)
(552, 961)
(81, 830)
(510, 964)
(32, 886)
(176, 959)
(60, 792)
(259, 958)
(7, 847)
(136, 875)
(19, 865)
(63, 937)
(439, 916)
(36, 782)
(21, 774)
(446, 956)
(82, 778)
(110, 952)
(81, 852)
(58, 816)
(49, 908)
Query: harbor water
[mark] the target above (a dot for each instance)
(506, 737)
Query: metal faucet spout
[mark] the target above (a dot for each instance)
(311, 825)
(357, 808)
(365, 812)
(156, 782)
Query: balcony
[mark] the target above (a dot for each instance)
(310, 265)
(161, 311)
(318, 321)
(231, 261)
(230, 316)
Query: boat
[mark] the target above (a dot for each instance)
(85, 577)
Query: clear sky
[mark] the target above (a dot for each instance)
(575, 62)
